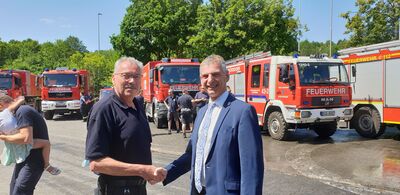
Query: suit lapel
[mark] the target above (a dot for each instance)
(221, 118)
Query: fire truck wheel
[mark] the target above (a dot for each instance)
(48, 115)
(398, 127)
(367, 123)
(277, 126)
(325, 130)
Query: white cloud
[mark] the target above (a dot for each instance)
(47, 20)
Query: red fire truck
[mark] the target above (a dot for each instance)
(292, 92)
(160, 76)
(61, 90)
(374, 73)
(21, 83)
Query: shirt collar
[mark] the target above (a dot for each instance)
(118, 101)
(220, 100)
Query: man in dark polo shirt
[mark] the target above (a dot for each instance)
(185, 106)
(200, 99)
(31, 125)
(119, 138)
(172, 106)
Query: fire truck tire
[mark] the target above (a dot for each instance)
(48, 115)
(157, 122)
(277, 126)
(398, 127)
(367, 123)
(325, 130)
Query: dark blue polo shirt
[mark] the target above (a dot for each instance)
(172, 103)
(118, 132)
(185, 101)
(200, 95)
(28, 116)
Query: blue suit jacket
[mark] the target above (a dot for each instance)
(235, 161)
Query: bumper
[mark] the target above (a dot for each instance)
(304, 116)
(61, 105)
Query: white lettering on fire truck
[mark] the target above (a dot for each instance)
(234, 69)
(325, 91)
(183, 87)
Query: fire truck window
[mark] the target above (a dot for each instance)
(5, 83)
(284, 73)
(255, 76)
(266, 75)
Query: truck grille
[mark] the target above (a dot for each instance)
(326, 101)
(60, 94)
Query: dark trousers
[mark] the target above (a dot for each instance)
(121, 187)
(27, 174)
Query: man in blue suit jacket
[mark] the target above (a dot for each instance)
(225, 152)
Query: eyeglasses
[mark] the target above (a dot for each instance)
(128, 76)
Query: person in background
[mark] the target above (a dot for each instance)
(200, 99)
(185, 106)
(119, 139)
(31, 130)
(86, 102)
(225, 152)
(172, 105)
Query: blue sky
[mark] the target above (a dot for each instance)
(49, 20)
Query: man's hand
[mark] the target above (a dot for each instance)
(158, 175)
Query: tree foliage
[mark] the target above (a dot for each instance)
(152, 29)
(375, 21)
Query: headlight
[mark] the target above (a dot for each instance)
(348, 112)
(305, 114)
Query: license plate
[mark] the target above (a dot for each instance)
(328, 113)
(60, 103)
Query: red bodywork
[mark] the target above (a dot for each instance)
(152, 81)
(20, 83)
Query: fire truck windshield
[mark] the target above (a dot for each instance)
(180, 74)
(312, 73)
(60, 80)
(5, 82)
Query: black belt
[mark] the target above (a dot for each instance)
(124, 182)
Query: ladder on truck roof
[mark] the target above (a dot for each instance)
(257, 55)
(368, 48)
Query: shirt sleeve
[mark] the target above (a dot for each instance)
(23, 118)
(99, 136)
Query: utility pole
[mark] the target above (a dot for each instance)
(330, 43)
(98, 29)
(298, 42)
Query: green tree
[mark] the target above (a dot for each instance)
(75, 44)
(375, 21)
(236, 27)
(152, 29)
(99, 64)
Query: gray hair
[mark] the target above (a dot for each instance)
(131, 60)
(5, 99)
(215, 59)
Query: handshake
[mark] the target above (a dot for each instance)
(154, 174)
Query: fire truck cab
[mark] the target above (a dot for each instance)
(61, 91)
(21, 83)
(292, 92)
(374, 74)
(160, 76)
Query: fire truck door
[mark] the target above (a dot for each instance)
(285, 75)
(255, 96)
